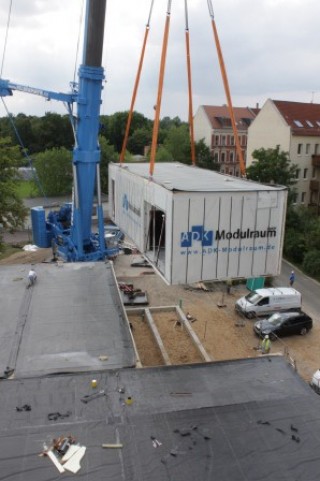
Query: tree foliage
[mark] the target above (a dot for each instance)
(204, 157)
(54, 170)
(302, 236)
(38, 134)
(177, 143)
(272, 166)
(12, 210)
(311, 262)
(108, 154)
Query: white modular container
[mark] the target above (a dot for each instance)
(194, 224)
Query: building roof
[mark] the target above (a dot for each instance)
(220, 119)
(303, 118)
(238, 420)
(60, 326)
(175, 176)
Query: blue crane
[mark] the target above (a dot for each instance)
(68, 231)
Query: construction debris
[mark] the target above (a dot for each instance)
(65, 454)
(132, 296)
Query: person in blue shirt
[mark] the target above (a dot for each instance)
(291, 278)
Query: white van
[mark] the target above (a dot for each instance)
(266, 301)
(315, 381)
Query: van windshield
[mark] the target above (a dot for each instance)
(253, 298)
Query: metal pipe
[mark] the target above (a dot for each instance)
(93, 46)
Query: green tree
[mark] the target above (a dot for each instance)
(311, 263)
(177, 143)
(108, 154)
(163, 155)
(139, 139)
(54, 170)
(113, 127)
(272, 166)
(204, 158)
(51, 131)
(12, 210)
(294, 245)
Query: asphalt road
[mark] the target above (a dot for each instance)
(309, 288)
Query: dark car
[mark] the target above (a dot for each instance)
(284, 324)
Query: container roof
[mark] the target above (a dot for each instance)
(175, 176)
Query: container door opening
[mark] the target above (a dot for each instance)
(156, 236)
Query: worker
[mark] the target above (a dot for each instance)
(291, 278)
(32, 277)
(266, 345)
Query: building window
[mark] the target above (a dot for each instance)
(223, 157)
(294, 198)
(223, 140)
(303, 197)
(216, 157)
(314, 173)
(231, 156)
(297, 173)
(307, 148)
(231, 140)
(216, 140)
(305, 172)
(299, 149)
(316, 149)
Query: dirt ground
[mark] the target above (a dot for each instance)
(223, 334)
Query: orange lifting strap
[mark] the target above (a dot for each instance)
(135, 89)
(160, 88)
(190, 116)
(227, 91)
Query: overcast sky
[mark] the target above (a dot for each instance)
(271, 49)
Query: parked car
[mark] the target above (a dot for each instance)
(283, 324)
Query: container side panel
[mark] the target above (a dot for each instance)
(222, 239)
(211, 221)
(274, 252)
(246, 225)
(180, 238)
(193, 239)
(233, 249)
(128, 207)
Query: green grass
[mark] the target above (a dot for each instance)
(27, 189)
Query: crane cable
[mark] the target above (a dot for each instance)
(135, 89)
(227, 91)
(160, 88)
(190, 115)
(6, 38)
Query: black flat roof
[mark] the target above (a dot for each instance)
(240, 420)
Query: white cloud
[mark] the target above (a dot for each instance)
(270, 48)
